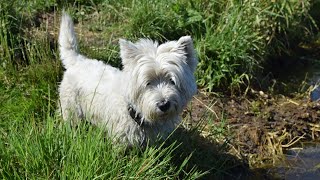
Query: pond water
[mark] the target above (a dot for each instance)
(299, 163)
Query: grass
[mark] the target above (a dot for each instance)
(36, 144)
(52, 150)
(232, 39)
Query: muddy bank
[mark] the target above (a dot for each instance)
(258, 127)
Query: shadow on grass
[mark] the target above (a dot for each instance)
(211, 158)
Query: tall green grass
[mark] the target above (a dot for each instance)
(53, 150)
(232, 39)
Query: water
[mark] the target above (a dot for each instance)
(300, 163)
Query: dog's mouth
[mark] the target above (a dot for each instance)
(157, 115)
(162, 115)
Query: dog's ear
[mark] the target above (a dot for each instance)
(186, 45)
(128, 51)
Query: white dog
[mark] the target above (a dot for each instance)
(136, 104)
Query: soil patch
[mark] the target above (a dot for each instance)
(260, 126)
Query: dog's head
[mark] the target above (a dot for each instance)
(160, 77)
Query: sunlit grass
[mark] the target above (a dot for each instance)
(52, 149)
(231, 38)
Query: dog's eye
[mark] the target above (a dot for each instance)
(172, 81)
(148, 84)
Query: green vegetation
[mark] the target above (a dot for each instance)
(52, 150)
(233, 39)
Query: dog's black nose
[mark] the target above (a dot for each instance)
(164, 105)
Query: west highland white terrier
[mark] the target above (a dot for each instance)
(137, 104)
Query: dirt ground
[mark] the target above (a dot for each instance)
(258, 127)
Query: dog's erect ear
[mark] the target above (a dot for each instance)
(186, 45)
(128, 51)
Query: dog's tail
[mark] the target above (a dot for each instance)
(68, 45)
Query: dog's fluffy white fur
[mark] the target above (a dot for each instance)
(136, 104)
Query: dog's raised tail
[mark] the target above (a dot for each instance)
(68, 45)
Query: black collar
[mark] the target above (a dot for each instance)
(135, 116)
